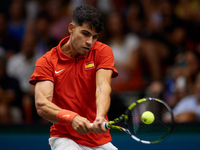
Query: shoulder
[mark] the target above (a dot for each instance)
(99, 46)
(102, 48)
(48, 57)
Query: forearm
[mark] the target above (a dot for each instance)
(103, 99)
(47, 109)
(103, 92)
(102, 104)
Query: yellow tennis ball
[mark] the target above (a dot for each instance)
(148, 117)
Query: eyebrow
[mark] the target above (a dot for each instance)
(98, 34)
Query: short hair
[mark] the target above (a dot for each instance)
(89, 15)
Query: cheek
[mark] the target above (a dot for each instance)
(75, 42)
(94, 42)
(78, 40)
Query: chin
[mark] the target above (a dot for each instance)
(85, 53)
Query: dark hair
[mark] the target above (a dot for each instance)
(89, 15)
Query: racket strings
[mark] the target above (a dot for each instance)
(148, 132)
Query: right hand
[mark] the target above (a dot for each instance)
(98, 125)
(81, 125)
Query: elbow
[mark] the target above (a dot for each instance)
(40, 112)
(40, 108)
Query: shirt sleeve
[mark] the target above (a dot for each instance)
(106, 60)
(43, 71)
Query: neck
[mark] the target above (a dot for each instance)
(69, 50)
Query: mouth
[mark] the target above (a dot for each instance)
(86, 48)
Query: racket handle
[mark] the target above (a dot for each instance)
(104, 124)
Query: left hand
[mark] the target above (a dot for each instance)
(98, 125)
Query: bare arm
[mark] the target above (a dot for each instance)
(103, 90)
(49, 111)
(43, 101)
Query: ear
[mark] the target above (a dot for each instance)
(71, 28)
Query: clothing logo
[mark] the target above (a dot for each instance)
(65, 116)
(59, 71)
(89, 65)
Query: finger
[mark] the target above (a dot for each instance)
(82, 130)
(89, 127)
(103, 128)
(97, 127)
(99, 124)
(86, 127)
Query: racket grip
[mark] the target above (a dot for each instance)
(104, 124)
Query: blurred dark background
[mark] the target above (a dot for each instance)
(156, 45)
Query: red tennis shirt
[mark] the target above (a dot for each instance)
(75, 86)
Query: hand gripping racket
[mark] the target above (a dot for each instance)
(131, 123)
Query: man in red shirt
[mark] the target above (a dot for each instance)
(72, 85)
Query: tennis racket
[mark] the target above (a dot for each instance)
(131, 123)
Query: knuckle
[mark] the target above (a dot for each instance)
(81, 124)
(76, 128)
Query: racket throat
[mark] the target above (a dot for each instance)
(126, 131)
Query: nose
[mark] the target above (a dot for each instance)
(89, 41)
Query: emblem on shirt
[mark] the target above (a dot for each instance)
(89, 65)
(59, 71)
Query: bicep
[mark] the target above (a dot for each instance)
(43, 91)
(103, 81)
(103, 76)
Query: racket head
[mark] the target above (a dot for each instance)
(131, 123)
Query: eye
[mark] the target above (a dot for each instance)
(86, 34)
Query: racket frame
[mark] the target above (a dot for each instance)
(111, 124)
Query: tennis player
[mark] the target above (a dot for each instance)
(73, 85)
